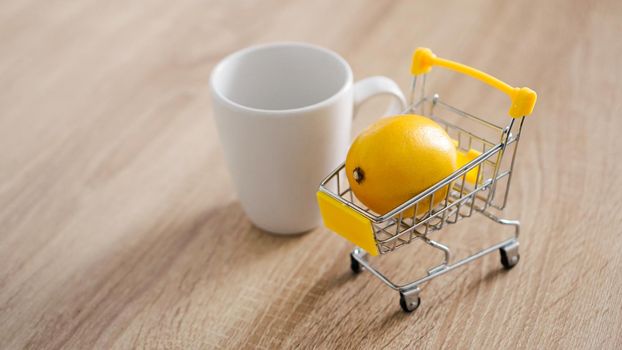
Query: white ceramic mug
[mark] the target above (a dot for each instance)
(284, 114)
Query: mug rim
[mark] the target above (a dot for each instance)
(345, 86)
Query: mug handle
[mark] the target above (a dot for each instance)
(379, 85)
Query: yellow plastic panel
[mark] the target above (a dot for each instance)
(347, 223)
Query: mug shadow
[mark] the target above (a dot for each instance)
(237, 234)
(180, 252)
(208, 244)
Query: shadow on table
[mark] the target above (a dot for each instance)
(230, 236)
(459, 293)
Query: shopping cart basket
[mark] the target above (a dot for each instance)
(480, 185)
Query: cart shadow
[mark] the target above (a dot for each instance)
(342, 279)
(436, 302)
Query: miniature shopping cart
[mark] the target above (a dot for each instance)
(486, 154)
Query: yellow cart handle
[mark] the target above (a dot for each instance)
(523, 99)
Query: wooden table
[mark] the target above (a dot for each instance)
(120, 228)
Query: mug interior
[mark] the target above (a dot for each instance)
(281, 76)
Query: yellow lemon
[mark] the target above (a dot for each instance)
(397, 158)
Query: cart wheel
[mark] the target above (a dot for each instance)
(409, 306)
(509, 260)
(355, 265)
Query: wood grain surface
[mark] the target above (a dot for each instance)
(119, 224)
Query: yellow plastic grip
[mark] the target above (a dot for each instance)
(523, 99)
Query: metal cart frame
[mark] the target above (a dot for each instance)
(480, 185)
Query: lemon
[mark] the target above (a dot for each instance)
(397, 158)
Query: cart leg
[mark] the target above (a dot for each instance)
(509, 252)
(409, 299)
(513, 223)
(509, 255)
(357, 254)
(445, 251)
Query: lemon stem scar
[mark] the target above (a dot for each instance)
(358, 174)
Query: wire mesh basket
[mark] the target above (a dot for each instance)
(485, 155)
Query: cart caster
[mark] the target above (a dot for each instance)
(355, 265)
(509, 255)
(410, 301)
